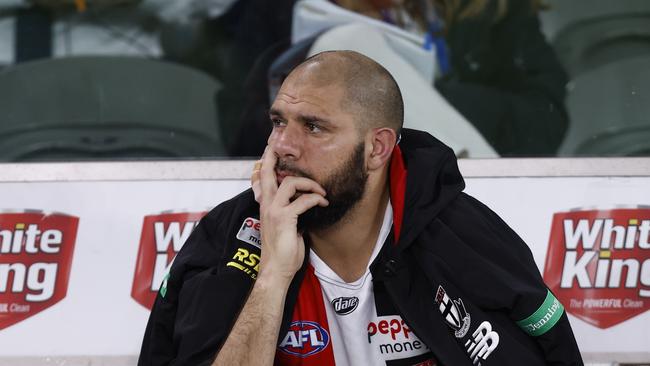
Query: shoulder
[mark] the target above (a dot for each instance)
(218, 230)
(226, 215)
(485, 257)
(464, 204)
(483, 230)
(216, 238)
(214, 270)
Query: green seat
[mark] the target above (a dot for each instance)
(609, 108)
(107, 108)
(608, 59)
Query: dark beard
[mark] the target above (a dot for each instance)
(344, 188)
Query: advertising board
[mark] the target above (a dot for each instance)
(81, 258)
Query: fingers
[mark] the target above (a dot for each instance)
(306, 201)
(292, 185)
(268, 180)
(255, 181)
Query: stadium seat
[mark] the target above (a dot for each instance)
(607, 58)
(107, 108)
(609, 107)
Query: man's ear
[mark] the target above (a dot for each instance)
(379, 146)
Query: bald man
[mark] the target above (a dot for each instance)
(354, 247)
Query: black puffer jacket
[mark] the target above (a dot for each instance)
(444, 243)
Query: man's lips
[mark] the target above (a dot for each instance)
(281, 174)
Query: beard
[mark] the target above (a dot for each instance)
(344, 187)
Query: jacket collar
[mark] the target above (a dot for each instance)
(424, 179)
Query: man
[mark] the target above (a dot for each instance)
(370, 254)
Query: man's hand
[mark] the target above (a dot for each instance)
(283, 250)
(253, 338)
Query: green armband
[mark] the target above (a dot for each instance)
(544, 318)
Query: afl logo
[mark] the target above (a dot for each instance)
(304, 338)
(345, 305)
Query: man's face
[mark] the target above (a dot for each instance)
(314, 137)
(344, 186)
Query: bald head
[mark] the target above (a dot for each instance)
(369, 90)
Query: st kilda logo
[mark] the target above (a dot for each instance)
(36, 252)
(162, 237)
(345, 305)
(454, 313)
(598, 264)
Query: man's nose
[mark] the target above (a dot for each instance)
(286, 142)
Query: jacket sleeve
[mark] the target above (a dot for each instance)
(193, 316)
(511, 281)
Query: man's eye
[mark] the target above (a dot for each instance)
(277, 122)
(312, 127)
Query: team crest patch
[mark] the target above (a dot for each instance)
(454, 313)
(250, 232)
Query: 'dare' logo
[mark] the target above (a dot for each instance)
(162, 237)
(598, 264)
(36, 252)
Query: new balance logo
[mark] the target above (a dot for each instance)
(483, 342)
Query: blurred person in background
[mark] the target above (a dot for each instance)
(34, 29)
(495, 68)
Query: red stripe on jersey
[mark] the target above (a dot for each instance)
(308, 342)
(397, 189)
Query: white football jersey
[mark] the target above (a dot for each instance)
(357, 327)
